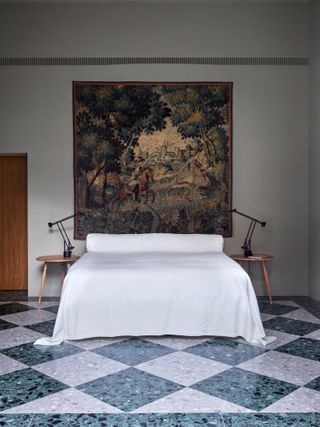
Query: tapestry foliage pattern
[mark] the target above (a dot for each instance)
(152, 157)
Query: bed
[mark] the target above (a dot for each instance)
(156, 284)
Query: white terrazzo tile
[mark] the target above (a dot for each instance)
(286, 302)
(65, 401)
(17, 336)
(183, 368)
(315, 335)
(187, 401)
(7, 364)
(266, 316)
(29, 317)
(176, 342)
(302, 314)
(301, 400)
(91, 343)
(43, 305)
(282, 338)
(284, 367)
(80, 368)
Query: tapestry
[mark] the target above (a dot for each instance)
(152, 157)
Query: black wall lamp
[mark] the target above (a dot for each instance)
(67, 246)
(247, 242)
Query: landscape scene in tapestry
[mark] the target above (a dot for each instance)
(152, 158)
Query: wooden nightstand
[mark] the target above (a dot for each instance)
(54, 259)
(262, 258)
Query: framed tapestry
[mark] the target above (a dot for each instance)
(152, 157)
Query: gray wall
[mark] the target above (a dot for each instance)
(314, 217)
(270, 140)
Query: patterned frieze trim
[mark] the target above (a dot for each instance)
(107, 61)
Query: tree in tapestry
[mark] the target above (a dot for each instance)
(152, 157)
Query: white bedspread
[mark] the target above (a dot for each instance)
(157, 293)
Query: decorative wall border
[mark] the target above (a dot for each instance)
(107, 61)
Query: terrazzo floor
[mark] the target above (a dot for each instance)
(160, 381)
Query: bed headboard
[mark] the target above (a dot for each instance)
(154, 242)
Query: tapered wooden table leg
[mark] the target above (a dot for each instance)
(43, 281)
(266, 279)
(54, 259)
(263, 258)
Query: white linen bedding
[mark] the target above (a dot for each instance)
(157, 293)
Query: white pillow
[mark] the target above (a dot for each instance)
(154, 242)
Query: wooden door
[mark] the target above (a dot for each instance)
(13, 222)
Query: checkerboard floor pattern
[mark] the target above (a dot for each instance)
(161, 380)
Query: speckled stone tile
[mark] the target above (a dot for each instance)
(128, 420)
(287, 302)
(9, 296)
(53, 309)
(315, 384)
(271, 420)
(302, 314)
(29, 317)
(13, 307)
(43, 305)
(80, 368)
(9, 365)
(178, 343)
(33, 355)
(6, 325)
(303, 347)
(314, 335)
(225, 350)
(188, 401)
(275, 309)
(183, 368)
(309, 304)
(45, 328)
(69, 400)
(248, 389)
(22, 386)
(91, 343)
(282, 338)
(15, 336)
(290, 326)
(265, 316)
(129, 389)
(285, 367)
(133, 351)
(19, 420)
(301, 400)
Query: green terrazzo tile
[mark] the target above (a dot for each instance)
(314, 384)
(44, 327)
(302, 347)
(29, 354)
(272, 420)
(226, 351)
(25, 385)
(13, 307)
(291, 326)
(128, 420)
(15, 420)
(53, 309)
(253, 391)
(129, 389)
(6, 325)
(277, 309)
(133, 351)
